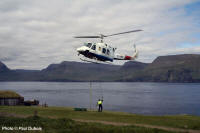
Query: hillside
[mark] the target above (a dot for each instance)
(7, 74)
(3, 68)
(172, 68)
(77, 71)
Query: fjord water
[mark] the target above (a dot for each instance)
(139, 98)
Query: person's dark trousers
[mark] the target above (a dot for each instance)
(100, 108)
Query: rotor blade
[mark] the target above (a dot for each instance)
(123, 33)
(87, 37)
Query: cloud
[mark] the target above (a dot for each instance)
(36, 33)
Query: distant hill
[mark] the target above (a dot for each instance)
(3, 68)
(77, 71)
(4, 72)
(133, 65)
(7, 74)
(174, 60)
(172, 68)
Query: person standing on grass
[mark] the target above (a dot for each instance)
(100, 102)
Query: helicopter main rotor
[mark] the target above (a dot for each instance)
(101, 36)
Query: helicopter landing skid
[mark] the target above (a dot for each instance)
(95, 61)
(89, 61)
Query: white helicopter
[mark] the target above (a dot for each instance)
(103, 52)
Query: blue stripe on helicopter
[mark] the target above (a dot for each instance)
(103, 57)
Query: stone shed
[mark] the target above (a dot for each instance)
(10, 98)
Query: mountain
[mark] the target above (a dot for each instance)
(4, 72)
(171, 68)
(133, 65)
(77, 71)
(7, 74)
(174, 60)
(3, 68)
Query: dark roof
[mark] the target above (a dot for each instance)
(9, 94)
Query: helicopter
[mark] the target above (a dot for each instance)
(102, 52)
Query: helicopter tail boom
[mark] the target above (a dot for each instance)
(126, 57)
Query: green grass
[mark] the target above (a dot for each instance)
(8, 94)
(65, 125)
(176, 121)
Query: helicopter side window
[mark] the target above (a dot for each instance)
(99, 48)
(104, 50)
(93, 47)
(88, 45)
(108, 52)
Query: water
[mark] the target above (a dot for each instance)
(139, 98)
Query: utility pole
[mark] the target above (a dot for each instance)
(90, 95)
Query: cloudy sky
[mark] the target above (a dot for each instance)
(36, 33)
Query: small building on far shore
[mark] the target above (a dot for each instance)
(10, 98)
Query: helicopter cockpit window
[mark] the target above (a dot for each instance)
(104, 50)
(108, 52)
(93, 47)
(88, 45)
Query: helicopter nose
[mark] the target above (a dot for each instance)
(80, 49)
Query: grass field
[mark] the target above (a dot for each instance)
(64, 125)
(60, 113)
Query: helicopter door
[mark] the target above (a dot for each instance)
(108, 52)
(93, 47)
(104, 50)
